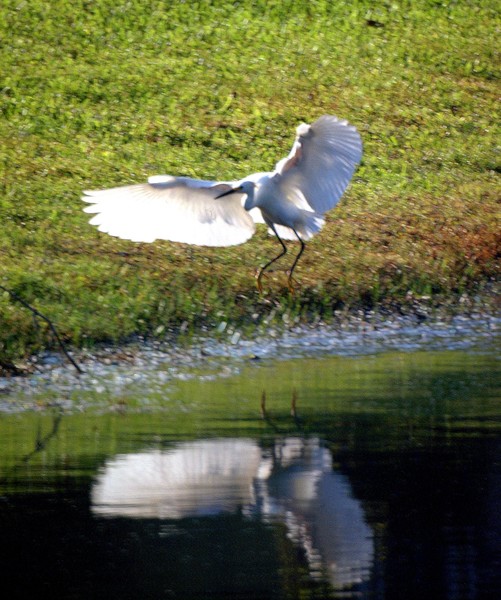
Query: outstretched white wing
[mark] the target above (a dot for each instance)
(320, 164)
(179, 209)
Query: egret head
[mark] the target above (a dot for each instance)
(246, 187)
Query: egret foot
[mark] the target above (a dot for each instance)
(259, 285)
(290, 281)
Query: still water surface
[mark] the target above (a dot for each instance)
(373, 476)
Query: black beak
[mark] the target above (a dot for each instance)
(227, 193)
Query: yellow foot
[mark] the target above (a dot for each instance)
(258, 282)
(289, 283)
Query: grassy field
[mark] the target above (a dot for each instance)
(102, 93)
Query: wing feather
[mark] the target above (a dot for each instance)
(178, 209)
(320, 164)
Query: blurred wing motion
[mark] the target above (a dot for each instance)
(320, 164)
(179, 209)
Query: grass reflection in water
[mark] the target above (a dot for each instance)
(384, 485)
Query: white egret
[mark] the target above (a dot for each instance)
(292, 481)
(291, 200)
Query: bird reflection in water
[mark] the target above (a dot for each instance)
(292, 482)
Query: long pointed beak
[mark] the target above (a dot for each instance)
(228, 192)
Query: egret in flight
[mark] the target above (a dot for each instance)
(291, 200)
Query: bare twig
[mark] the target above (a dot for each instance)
(38, 314)
(41, 442)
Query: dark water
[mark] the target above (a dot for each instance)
(339, 477)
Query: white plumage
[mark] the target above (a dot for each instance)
(291, 200)
(292, 482)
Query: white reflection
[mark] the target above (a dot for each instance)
(195, 478)
(293, 482)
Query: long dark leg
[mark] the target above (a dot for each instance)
(269, 263)
(296, 260)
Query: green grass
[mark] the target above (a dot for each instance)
(99, 93)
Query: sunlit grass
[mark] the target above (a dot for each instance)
(104, 93)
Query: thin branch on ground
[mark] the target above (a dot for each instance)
(38, 314)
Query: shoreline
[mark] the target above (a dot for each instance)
(223, 351)
(278, 321)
